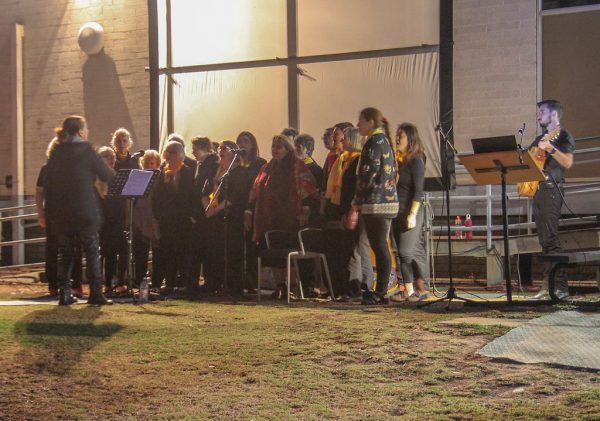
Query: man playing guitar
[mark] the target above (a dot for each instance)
(557, 145)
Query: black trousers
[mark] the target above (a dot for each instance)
(141, 251)
(547, 204)
(67, 250)
(114, 251)
(51, 264)
(378, 230)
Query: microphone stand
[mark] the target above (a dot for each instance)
(448, 152)
(224, 184)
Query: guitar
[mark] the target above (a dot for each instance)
(530, 188)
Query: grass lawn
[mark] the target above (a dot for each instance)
(190, 360)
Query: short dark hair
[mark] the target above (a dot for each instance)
(343, 126)
(202, 143)
(552, 105)
(290, 132)
(305, 141)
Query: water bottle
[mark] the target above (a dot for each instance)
(144, 290)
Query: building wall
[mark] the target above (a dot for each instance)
(495, 73)
(109, 89)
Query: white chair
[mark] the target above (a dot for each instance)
(282, 249)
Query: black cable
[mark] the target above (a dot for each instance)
(437, 244)
(564, 201)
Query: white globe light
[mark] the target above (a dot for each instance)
(91, 38)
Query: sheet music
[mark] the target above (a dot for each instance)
(137, 183)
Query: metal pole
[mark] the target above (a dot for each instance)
(488, 216)
(292, 68)
(154, 74)
(18, 158)
(169, 99)
(506, 248)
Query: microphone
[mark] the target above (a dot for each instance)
(522, 130)
(238, 151)
(138, 154)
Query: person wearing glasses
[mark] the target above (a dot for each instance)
(557, 146)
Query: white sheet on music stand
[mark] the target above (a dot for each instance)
(137, 182)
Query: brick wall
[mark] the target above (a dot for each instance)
(494, 69)
(110, 89)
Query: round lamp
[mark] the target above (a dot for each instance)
(91, 38)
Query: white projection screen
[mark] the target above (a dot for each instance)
(335, 81)
(404, 88)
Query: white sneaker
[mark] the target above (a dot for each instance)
(542, 295)
(561, 295)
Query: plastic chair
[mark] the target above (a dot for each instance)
(282, 249)
(313, 246)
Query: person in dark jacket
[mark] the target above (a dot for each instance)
(176, 137)
(113, 247)
(376, 197)
(51, 251)
(72, 205)
(116, 209)
(251, 164)
(207, 163)
(225, 216)
(172, 200)
(305, 146)
(121, 143)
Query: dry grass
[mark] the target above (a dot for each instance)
(185, 360)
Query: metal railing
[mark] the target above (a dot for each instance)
(488, 198)
(19, 243)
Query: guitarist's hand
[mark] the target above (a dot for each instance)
(546, 146)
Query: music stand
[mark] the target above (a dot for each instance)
(131, 184)
(510, 166)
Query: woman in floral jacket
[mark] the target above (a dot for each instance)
(376, 197)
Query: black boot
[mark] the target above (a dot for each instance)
(96, 296)
(65, 298)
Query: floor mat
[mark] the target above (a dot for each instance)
(568, 338)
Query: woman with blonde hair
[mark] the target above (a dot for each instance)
(172, 201)
(145, 233)
(358, 268)
(121, 143)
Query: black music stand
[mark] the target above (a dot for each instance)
(500, 167)
(131, 185)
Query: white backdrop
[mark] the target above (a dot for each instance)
(220, 104)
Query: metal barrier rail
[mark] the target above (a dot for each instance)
(16, 208)
(17, 217)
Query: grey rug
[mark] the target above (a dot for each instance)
(567, 338)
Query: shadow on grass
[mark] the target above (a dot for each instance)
(55, 340)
